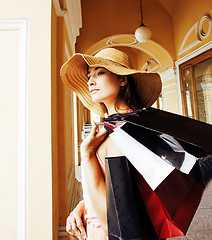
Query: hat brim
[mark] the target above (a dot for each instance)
(74, 76)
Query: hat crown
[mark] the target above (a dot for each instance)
(116, 56)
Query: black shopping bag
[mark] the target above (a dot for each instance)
(126, 214)
(189, 130)
(173, 170)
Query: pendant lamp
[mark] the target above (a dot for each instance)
(142, 33)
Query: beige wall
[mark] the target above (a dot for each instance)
(55, 206)
(67, 119)
(9, 60)
(186, 14)
(25, 120)
(186, 20)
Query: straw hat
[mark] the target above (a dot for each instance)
(74, 76)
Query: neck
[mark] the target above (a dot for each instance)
(121, 107)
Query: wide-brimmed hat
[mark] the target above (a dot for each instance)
(74, 76)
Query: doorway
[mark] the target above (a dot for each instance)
(196, 87)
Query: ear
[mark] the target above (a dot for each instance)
(123, 81)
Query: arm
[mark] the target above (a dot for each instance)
(93, 174)
(74, 222)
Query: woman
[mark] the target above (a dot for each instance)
(106, 84)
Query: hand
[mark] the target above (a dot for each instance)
(74, 224)
(92, 141)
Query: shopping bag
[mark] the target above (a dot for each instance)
(195, 132)
(135, 211)
(172, 205)
(126, 214)
(170, 173)
(171, 142)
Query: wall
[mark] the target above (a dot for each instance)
(186, 15)
(9, 46)
(26, 205)
(188, 40)
(54, 99)
(170, 99)
(67, 118)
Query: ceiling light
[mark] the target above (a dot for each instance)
(142, 33)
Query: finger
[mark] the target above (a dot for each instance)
(70, 231)
(75, 230)
(68, 225)
(84, 224)
(106, 115)
(81, 226)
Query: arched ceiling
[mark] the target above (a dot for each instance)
(148, 56)
(168, 5)
(101, 19)
(104, 19)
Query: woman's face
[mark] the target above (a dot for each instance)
(103, 85)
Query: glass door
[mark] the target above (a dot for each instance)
(196, 87)
(203, 82)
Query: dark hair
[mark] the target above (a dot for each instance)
(129, 95)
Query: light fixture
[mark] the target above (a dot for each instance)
(142, 33)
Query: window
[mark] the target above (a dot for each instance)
(196, 87)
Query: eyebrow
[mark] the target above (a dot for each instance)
(96, 68)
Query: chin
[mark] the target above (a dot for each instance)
(96, 99)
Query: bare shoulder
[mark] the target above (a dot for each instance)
(108, 149)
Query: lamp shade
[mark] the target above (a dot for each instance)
(143, 33)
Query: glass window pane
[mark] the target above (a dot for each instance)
(188, 92)
(203, 83)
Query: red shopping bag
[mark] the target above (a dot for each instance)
(172, 205)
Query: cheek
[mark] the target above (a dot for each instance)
(114, 84)
(109, 88)
(113, 88)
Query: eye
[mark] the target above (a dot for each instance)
(101, 72)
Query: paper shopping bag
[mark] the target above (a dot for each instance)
(170, 174)
(189, 130)
(126, 213)
(135, 211)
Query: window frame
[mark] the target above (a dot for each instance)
(190, 64)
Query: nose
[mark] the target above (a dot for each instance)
(91, 81)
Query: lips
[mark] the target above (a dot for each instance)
(94, 91)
